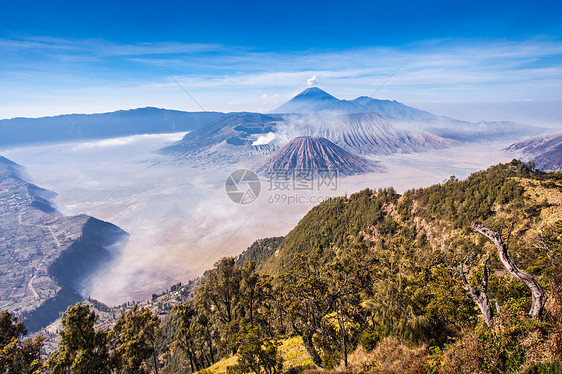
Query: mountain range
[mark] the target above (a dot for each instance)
(363, 126)
(70, 127)
(544, 151)
(315, 100)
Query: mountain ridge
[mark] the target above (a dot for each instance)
(361, 126)
(45, 256)
(68, 127)
(545, 151)
(315, 99)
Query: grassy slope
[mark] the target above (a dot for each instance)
(292, 350)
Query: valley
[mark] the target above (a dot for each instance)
(136, 220)
(180, 218)
(45, 255)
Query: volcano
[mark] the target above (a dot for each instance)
(312, 153)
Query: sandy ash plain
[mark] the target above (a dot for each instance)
(180, 218)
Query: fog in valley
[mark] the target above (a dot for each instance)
(180, 219)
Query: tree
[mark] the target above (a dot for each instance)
(256, 293)
(538, 295)
(398, 298)
(222, 288)
(398, 307)
(479, 296)
(258, 355)
(189, 334)
(82, 348)
(321, 297)
(207, 327)
(18, 356)
(219, 297)
(134, 336)
(346, 276)
(249, 288)
(304, 291)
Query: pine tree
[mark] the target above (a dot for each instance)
(134, 336)
(82, 349)
(18, 356)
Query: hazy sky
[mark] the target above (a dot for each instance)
(71, 56)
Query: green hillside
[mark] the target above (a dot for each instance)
(387, 264)
(433, 218)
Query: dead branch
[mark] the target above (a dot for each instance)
(479, 296)
(538, 295)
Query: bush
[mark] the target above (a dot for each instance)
(514, 343)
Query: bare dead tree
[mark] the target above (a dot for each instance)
(479, 296)
(538, 295)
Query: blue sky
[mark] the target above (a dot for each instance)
(69, 56)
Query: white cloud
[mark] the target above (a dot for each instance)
(65, 76)
(125, 140)
(264, 139)
(312, 81)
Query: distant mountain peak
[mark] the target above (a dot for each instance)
(314, 99)
(368, 98)
(314, 93)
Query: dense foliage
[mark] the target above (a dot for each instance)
(260, 250)
(127, 348)
(18, 356)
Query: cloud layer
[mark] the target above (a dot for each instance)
(48, 76)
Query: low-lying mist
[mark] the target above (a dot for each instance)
(180, 218)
